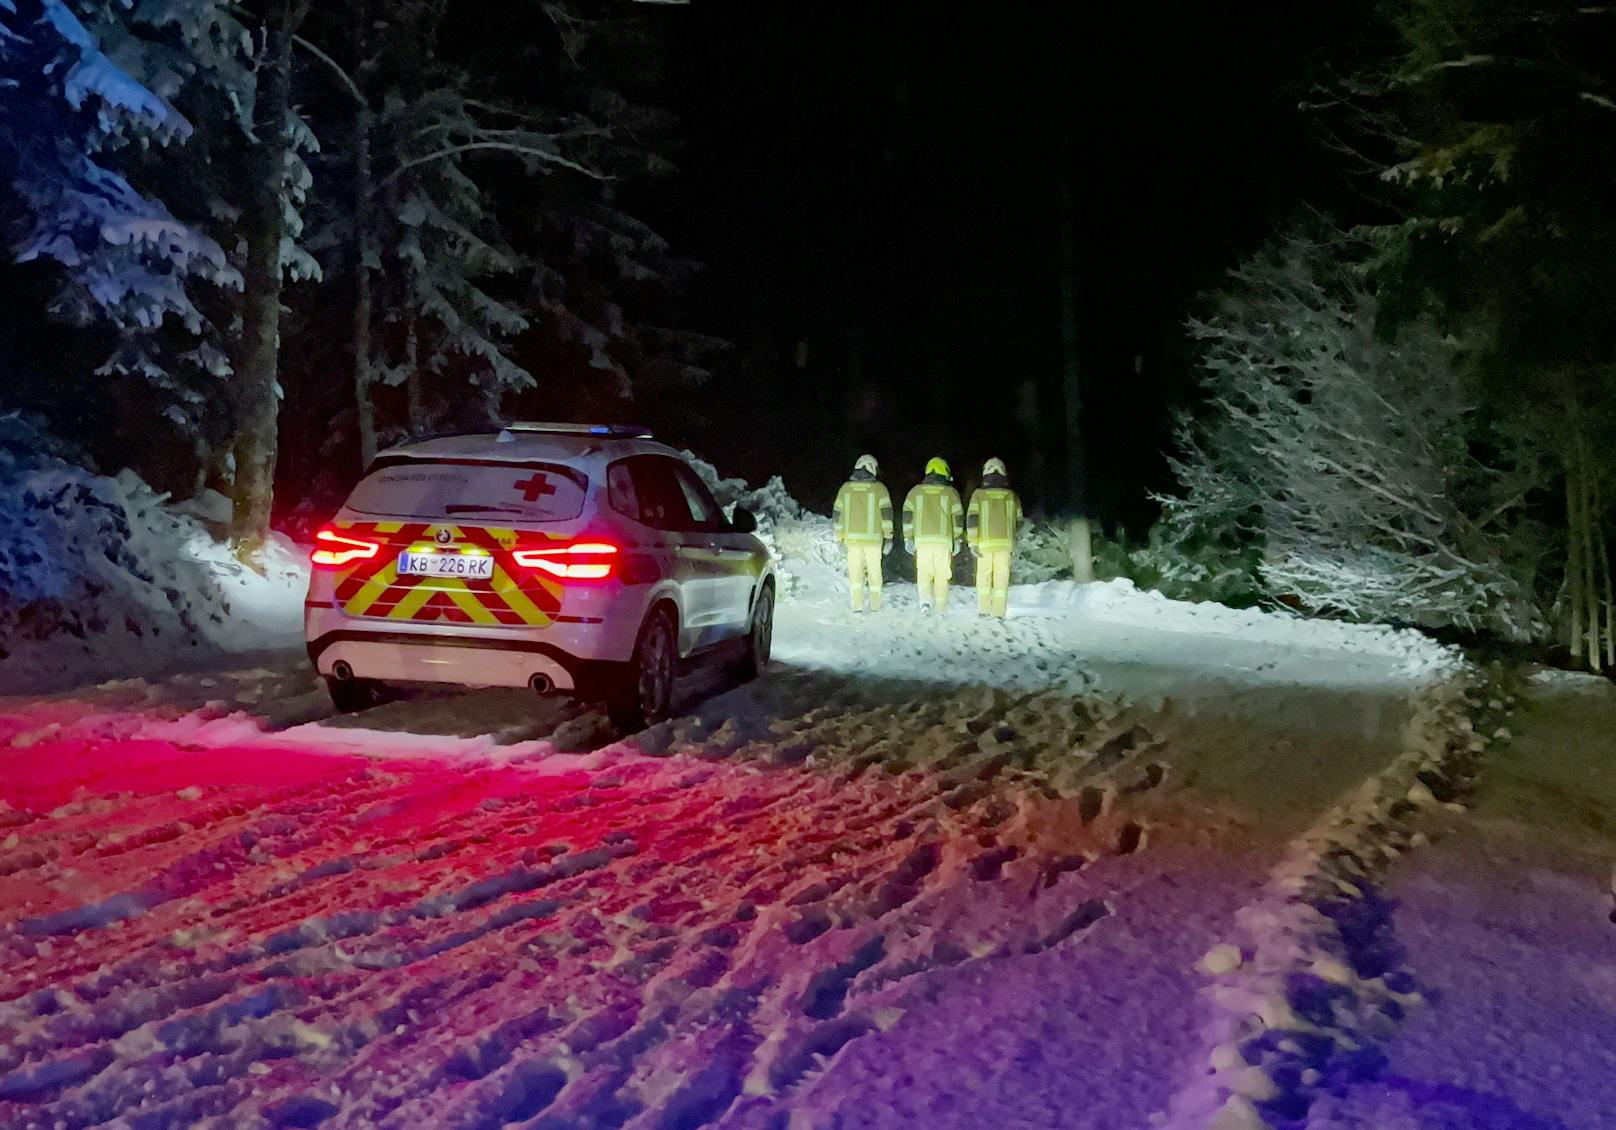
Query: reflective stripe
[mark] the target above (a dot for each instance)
(995, 514)
(863, 512)
(517, 600)
(512, 596)
(468, 603)
(411, 603)
(372, 587)
(932, 513)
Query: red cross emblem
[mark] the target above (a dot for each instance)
(535, 487)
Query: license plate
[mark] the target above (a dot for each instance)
(476, 566)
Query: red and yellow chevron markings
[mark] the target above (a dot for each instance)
(512, 597)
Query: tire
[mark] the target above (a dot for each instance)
(759, 638)
(646, 695)
(349, 695)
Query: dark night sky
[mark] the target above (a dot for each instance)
(873, 189)
(878, 181)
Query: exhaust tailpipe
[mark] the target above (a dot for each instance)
(341, 671)
(541, 683)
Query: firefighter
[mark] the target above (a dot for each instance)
(932, 522)
(863, 518)
(990, 531)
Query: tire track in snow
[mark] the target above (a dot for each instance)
(286, 825)
(1316, 983)
(803, 889)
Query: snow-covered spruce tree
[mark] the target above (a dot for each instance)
(160, 97)
(606, 284)
(76, 130)
(408, 217)
(447, 331)
(485, 235)
(272, 184)
(1348, 455)
(1490, 126)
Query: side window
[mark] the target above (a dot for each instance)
(705, 513)
(620, 493)
(656, 486)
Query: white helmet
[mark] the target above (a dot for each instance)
(994, 467)
(867, 463)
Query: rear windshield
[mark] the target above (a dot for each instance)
(471, 491)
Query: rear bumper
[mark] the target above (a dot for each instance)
(578, 652)
(413, 657)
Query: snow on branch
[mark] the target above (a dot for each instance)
(549, 156)
(1347, 453)
(95, 77)
(126, 258)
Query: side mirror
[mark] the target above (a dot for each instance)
(743, 522)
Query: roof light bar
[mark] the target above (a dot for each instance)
(616, 431)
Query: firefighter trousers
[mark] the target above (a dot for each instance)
(934, 568)
(864, 573)
(993, 581)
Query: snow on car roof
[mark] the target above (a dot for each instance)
(521, 447)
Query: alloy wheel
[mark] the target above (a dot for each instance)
(656, 669)
(763, 629)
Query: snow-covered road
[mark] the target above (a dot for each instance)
(927, 872)
(1507, 918)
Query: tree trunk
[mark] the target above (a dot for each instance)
(364, 381)
(1574, 635)
(256, 384)
(1609, 596)
(364, 376)
(1588, 524)
(1073, 486)
(414, 387)
(1080, 541)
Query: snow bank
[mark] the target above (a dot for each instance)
(803, 543)
(100, 576)
(1571, 682)
(1121, 602)
(1042, 553)
(805, 550)
(1314, 981)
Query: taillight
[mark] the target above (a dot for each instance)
(337, 549)
(580, 561)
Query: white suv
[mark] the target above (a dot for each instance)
(578, 558)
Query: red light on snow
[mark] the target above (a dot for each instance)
(580, 561)
(339, 550)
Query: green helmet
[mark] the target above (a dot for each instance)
(937, 465)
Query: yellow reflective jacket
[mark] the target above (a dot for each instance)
(993, 518)
(863, 512)
(932, 513)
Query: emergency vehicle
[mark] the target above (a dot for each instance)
(584, 559)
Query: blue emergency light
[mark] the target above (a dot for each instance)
(618, 431)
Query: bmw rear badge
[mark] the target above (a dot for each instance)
(444, 537)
